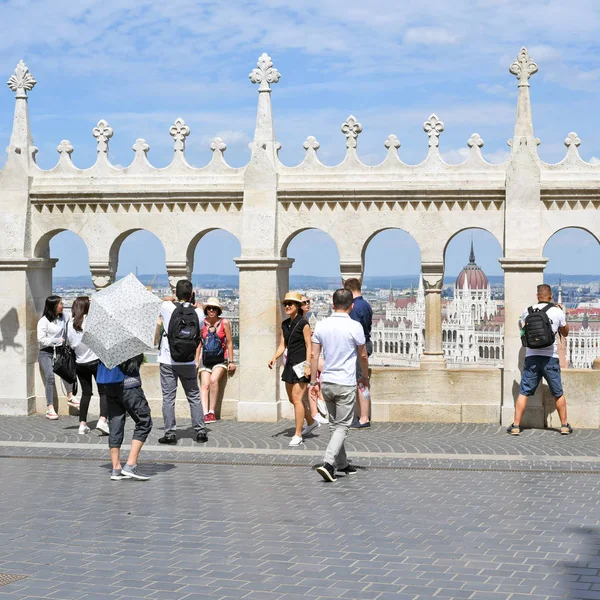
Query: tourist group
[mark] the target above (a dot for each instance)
(326, 371)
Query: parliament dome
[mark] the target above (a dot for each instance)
(474, 276)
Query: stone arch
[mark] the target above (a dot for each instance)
(469, 228)
(365, 246)
(193, 243)
(283, 251)
(117, 243)
(41, 248)
(559, 229)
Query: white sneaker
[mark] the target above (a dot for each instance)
(103, 427)
(296, 440)
(309, 428)
(74, 402)
(51, 413)
(321, 420)
(322, 407)
(83, 429)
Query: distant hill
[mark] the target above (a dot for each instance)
(310, 281)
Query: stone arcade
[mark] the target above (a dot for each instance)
(265, 204)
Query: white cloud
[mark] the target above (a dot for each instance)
(594, 160)
(457, 156)
(429, 36)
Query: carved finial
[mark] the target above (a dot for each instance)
(102, 132)
(65, 149)
(21, 81)
(523, 67)
(572, 140)
(351, 129)
(311, 144)
(266, 74)
(433, 127)
(140, 147)
(392, 142)
(475, 141)
(179, 131)
(218, 144)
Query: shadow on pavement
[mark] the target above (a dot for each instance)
(582, 579)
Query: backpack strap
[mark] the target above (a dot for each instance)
(530, 310)
(548, 306)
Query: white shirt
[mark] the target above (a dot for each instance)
(82, 353)
(164, 355)
(51, 333)
(557, 318)
(339, 336)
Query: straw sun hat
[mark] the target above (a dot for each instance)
(293, 297)
(213, 302)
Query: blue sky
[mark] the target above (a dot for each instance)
(141, 64)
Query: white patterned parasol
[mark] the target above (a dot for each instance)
(122, 321)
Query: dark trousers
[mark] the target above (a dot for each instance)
(120, 402)
(85, 372)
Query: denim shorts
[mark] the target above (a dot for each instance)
(537, 367)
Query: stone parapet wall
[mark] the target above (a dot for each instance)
(409, 396)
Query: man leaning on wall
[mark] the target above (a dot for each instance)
(542, 362)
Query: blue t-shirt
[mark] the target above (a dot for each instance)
(106, 375)
(363, 313)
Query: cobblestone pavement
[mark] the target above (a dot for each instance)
(461, 511)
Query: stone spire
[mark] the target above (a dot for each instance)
(585, 323)
(391, 294)
(21, 140)
(559, 299)
(523, 68)
(265, 74)
(472, 253)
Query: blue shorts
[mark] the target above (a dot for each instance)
(537, 367)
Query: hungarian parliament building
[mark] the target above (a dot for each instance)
(472, 327)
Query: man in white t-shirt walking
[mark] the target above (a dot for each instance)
(543, 362)
(171, 372)
(342, 340)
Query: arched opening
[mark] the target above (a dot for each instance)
(473, 298)
(392, 284)
(71, 274)
(573, 272)
(315, 271)
(141, 252)
(215, 275)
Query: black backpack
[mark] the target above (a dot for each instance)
(183, 333)
(537, 327)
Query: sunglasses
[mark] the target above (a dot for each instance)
(305, 301)
(212, 308)
(287, 304)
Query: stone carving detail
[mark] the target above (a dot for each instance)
(140, 147)
(433, 127)
(218, 145)
(265, 74)
(65, 149)
(102, 281)
(179, 131)
(433, 286)
(351, 129)
(572, 141)
(475, 141)
(21, 81)
(102, 132)
(392, 142)
(523, 67)
(311, 144)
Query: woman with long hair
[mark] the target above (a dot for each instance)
(86, 363)
(216, 356)
(296, 373)
(51, 333)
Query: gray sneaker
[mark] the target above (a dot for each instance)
(117, 475)
(130, 472)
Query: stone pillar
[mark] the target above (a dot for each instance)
(521, 277)
(350, 269)
(103, 273)
(433, 278)
(263, 283)
(178, 270)
(26, 283)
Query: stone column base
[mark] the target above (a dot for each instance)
(17, 407)
(433, 361)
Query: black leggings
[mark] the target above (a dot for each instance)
(85, 371)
